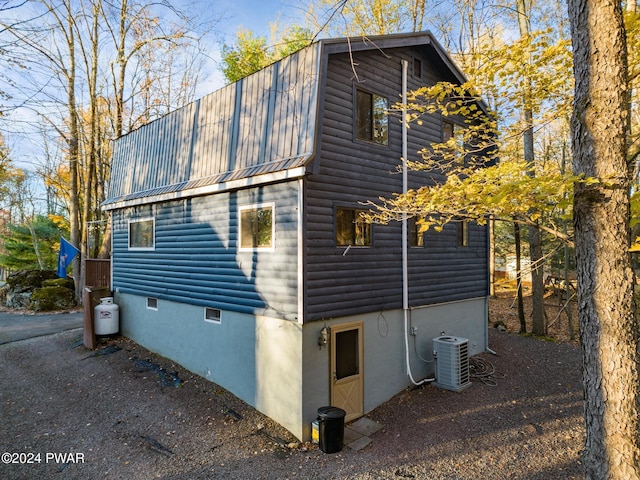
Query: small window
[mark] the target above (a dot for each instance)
(256, 227)
(463, 233)
(351, 228)
(142, 234)
(372, 121)
(449, 131)
(416, 239)
(417, 68)
(152, 303)
(212, 315)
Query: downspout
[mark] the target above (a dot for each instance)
(490, 278)
(405, 252)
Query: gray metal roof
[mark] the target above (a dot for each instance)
(262, 124)
(261, 128)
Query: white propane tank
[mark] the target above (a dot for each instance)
(106, 317)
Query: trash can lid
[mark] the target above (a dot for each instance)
(331, 412)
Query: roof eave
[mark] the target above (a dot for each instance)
(144, 198)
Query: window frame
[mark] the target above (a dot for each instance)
(371, 137)
(153, 234)
(353, 234)
(257, 207)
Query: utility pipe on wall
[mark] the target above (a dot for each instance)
(405, 243)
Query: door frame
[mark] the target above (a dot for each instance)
(354, 381)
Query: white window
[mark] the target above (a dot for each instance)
(142, 234)
(257, 227)
(152, 303)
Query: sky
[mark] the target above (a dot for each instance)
(254, 15)
(233, 15)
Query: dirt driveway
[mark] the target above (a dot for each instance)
(123, 413)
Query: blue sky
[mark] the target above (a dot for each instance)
(254, 15)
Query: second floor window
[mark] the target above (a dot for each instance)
(453, 131)
(416, 239)
(372, 121)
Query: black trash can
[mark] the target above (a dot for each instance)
(331, 429)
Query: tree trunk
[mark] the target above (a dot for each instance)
(538, 322)
(518, 242)
(92, 147)
(609, 331)
(73, 143)
(535, 238)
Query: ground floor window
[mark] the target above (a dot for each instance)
(351, 228)
(256, 227)
(142, 234)
(463, 233)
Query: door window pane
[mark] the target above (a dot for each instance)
(347, 354)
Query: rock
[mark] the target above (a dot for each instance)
(500, 326)
(17, 301)
(52, 298)
(60, 282)
(39, 290)
(28, 280)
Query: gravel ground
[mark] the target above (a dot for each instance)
(121, 416)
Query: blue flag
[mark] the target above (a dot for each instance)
(67, 253)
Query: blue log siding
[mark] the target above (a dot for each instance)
(196, 258)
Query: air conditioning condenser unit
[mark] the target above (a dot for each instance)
(452, 363)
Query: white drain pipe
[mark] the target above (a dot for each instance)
(405, 246)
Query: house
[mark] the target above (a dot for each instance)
(238, 250)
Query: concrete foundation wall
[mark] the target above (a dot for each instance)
(258, 359)
(385, 366)
(277, 366)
